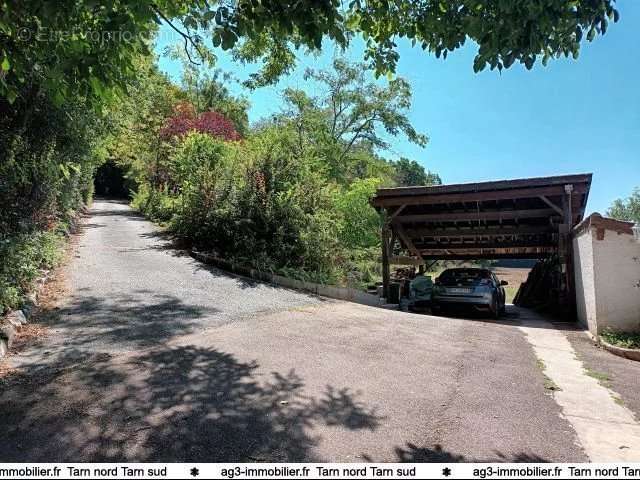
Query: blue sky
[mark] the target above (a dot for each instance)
(569, 117)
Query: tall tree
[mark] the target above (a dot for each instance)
(351, 117)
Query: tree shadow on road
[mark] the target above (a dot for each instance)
(127, 321)
(181, 404)
(413, 454)
(168, 242)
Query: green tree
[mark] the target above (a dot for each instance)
(360, 223)
(344, 124)
(627, 209)
(410, 173)
(135, 121)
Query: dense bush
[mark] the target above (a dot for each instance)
(23, 256)
(47, 163)
(254, 201)
(292, 196)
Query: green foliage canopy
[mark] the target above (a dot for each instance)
(88, 47)
(410, 173)
(349, 119)
(627, 209)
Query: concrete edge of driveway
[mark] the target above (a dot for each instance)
(628, 353)
(607, 430)
(338, 293)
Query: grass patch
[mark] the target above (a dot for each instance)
(547, 382)
(550, 384)
(621, 339)
(617, 399)
(603, 378)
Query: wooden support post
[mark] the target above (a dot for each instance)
(386, 274)
(569, 281)
(565, 247)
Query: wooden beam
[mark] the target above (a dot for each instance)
(488, 256)
(406, 240)
(475, 216)
(461, 247)
(386, 274)
(490, 185)
(551, 204)
(403, 260)
(513, 252)
(435, 198)
(479, 232)
(397, 212)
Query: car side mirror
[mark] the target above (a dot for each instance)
(504, 282)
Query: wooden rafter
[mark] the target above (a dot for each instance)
(397, 212)
(443, 198)
(551, 204)
(407, 241)
(480, 232)
(474, 216)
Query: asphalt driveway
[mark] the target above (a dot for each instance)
(154, 357)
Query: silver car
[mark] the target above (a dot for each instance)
(475, 288)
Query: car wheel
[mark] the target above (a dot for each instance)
(495, 309)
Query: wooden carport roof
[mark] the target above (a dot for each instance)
(523, 218)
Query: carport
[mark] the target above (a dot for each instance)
(523, 218)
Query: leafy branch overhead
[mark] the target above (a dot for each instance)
(88, 47)
(505, 31)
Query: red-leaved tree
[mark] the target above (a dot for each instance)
(185, 120)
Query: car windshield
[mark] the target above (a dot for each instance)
(465, 277)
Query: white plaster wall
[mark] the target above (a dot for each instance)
(584, 280)
(616, 264)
